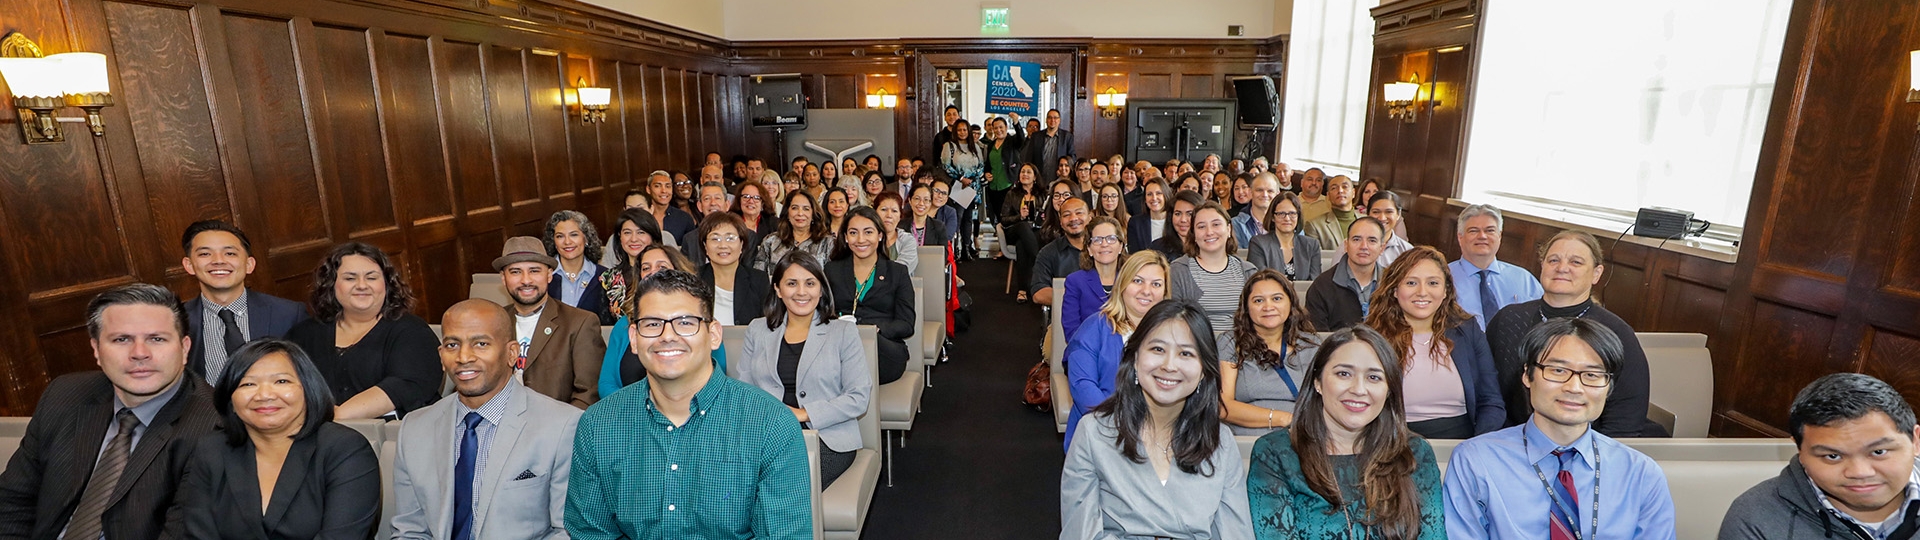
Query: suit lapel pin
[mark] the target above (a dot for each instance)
(549, 330)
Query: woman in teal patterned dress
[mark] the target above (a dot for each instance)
(1347, 468)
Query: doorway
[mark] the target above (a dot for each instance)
(967, 89)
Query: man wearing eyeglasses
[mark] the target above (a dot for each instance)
(1555, 476)
(1571, 263)
(686, 452)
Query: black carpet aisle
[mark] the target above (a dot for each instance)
(978, 463)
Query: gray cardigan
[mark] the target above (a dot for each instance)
(1783, 507)
(834, 383)
(1264, 252)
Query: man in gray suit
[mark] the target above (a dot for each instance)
(491, 437)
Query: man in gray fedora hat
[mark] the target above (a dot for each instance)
(560, 346)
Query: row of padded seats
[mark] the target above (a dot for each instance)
(1703, 475)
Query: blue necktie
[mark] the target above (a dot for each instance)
(1489, 302)
(463, 479)
(1565, 522)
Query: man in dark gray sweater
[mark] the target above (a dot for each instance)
(1855, 475)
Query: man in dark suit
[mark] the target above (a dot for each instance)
(560, 346)
(220, 257)
(1046, 147)
(103, 456)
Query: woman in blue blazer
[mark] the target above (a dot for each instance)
(1094, 351)
(812, 362)
(1450, 386)
(1088, 289)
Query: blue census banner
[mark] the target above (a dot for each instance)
(1013, 87)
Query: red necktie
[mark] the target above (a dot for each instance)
(1561, 524)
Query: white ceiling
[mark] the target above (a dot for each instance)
(751, 20)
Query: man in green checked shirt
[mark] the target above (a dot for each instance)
(686, 452)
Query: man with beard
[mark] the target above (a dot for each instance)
(559, 346)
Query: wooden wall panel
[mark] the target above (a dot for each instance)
(165, 96)
(512, 137)
(358, 160)
(468, 125)
(548, 118)
(281, 160)
(420, 167)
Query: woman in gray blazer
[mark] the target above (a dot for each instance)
(813, 363)
(1286, 247)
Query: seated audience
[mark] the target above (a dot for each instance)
(279, 467)
(571, 239)
(920, 224)
(1351, 470)
(636, 231)
(646, 462)
(1856, 462)
(1338, 298)
(812, 362)
(1242, 197)
(871, 186)
(1313, 184)
(750, 201)
(509, 441)
(1088, 288)
(227, 314)
(713, 200)
(674, 222)
(1058, 193)
(1570, 265)
(1255, 209)
(1285, 248)
(1155, 461)
(376, 356)
(1451, 391)
(739, 292)
(1483, 283)
(1211, 275)
(1094, 348)
(837, 205)
(874, 290)
(803, 230)
(1386, 207)
(1134, 199)
(1020, 220)
(1146, 227)
(1327, 228)
(559, 346)
(1062, 255)
(1179, 228)
(901, 248)
(1497, 484)
(1264, 356)
(774, 190)
(621, 367)
(62, 480)
(1111, 203)
(635, 199)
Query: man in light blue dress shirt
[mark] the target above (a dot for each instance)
(1539, 480)
(1483, 284)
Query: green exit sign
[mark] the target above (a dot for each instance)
(993, 20)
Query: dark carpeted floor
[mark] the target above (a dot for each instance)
(978, 463)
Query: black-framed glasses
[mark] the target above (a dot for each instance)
(1589, 379)
(684, 325)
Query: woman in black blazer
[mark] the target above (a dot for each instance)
(375, 356)
(1140, 229)
(873, 290)
(276, 418)
(748, 287)
(1020, 219)
(920, 222)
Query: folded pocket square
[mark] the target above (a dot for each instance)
(524, 475)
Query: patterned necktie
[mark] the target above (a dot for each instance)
(86, 523)
(1489, 302)
(463, 478)
(1562, 524)
(233, 338)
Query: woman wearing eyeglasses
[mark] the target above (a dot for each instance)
(1451, 389)
(921, 225)
(1285, 247)
(1087, 289)
(809, 360)
(870, 289)
(1112, 202)
(739, 290)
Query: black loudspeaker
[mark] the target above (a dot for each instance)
(1258, 103)
(776, 102)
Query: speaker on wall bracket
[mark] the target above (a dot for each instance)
(775, 102)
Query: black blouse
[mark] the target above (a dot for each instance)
(400, 356)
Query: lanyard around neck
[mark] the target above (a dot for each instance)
(1525, 450)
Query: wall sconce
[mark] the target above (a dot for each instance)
(1913, 77)
(1400, 98)
(880, 99)
(1111, 103)
(593, 101)
(42, 84)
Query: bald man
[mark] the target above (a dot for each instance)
(1061, 256)
(508, 441)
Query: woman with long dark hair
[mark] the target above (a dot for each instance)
(961, 156)
(1452, 391)
(1020, 218)
(810, 360)
(836, 202)
(1263, 356)
(1153, 460)
(1146, 227)
(1174, 237)
(378, 358)
(872, 289)
(803, 230)
(1352, 470)
(636, 230)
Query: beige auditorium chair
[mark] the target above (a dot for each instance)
(1680, 371)
(13, 430)
(813, 478)
(1056, 351)
(900, 399)
(844, 505)
(389, 458)
(1327, 258)
(489, 287)
(933, 319)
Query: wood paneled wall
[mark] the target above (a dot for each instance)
(433, 130)
(1824, 281)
